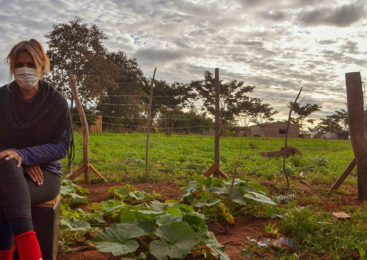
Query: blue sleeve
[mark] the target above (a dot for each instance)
(46, 153)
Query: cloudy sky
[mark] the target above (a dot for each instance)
(278, 46)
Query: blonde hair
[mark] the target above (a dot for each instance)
(35, 50)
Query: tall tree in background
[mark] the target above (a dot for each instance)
(258, 112)
(122, 102)
(303, 112)
(186, 122)
(168, 103)
(234, 101)
(75, 48)
(334, 123)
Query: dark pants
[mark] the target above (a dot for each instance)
(17, 193)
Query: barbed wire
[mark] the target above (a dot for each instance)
(158, 145)
(184, 127)
(142, 105)
(144, 118)
(143, 96)
(208, 140)
(282, 99)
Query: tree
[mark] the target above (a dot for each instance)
(233, 100)
(186, 122)
(303, 112)
(122, 102)
(334, 123)
(75, 48)
(168, 102)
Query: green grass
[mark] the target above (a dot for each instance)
(180, 157)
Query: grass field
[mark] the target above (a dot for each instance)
(122, 156)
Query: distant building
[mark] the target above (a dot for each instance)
(274, 129)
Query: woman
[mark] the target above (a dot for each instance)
(35, 133)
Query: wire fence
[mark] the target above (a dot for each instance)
(178, 152)
(122, 155)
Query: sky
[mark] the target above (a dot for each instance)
(277, 46)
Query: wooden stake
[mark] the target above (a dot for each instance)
(215, 168)
(217, 118)
(148, 126)
(232, 183)
(83, 119)
(342, 177)
(286, 137)
(357, 128)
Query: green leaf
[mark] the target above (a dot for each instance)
(196, 221)
(245, 252)
(167, 219)
(259, 198)
(218, 190)
(117, 248)
(158, 206)
(190, 189)
(112, 205)
(237, 196)
(150, 212)
(178, 240)
(175, 211)
(74, 224)
(78, 199)
(207, 202)
(138, 195)
(120, 232)
(66, 190)
(119, 192)
(98, 220)
(217, 249)
(144, 221)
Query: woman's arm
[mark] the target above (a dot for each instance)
(42, 154)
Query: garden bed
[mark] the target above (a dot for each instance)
(233, 236)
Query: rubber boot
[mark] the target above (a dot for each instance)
(7, 254)
(28, 246)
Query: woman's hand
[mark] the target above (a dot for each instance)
(35, 173)
(11, 154)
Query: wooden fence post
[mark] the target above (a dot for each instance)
(285, 152)
(86, 167)
(215, 168)
(217, 118)
(357, 128)
(148, 126)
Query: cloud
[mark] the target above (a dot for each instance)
(277, 46)
(158, 57)
(249, 43)
(273, 15)
(350, 47)
(342, 16)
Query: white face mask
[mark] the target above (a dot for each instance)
(26, 77)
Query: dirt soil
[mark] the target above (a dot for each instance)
(232, 236)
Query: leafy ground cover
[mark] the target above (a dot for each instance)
(248, 228)
(262, 219)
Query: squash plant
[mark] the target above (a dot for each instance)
(160, 230)
(211, 197)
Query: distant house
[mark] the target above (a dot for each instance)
(274, 129)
